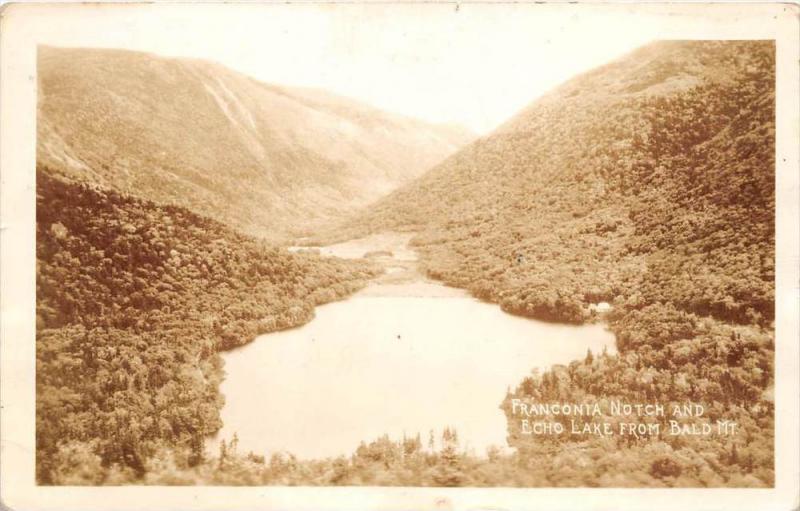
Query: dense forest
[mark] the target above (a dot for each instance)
(134, 303)
(614, 187)
(649, 184)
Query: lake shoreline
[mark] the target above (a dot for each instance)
(360, 350)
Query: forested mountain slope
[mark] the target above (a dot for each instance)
(647, 183)
(654, 168)
(265, 159)
(134, 301)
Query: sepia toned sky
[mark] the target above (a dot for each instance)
(471, 64)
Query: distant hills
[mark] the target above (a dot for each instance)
(648, 183)
(650, 178)
(268, 160)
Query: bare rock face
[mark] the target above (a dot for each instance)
(262, 158)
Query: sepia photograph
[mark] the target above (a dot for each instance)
(384, 245)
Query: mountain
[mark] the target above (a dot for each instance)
(263, 158)
(648, 183)
(134, 302)
(658, 164)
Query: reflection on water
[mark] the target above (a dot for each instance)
(396, 359)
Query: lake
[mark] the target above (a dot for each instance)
(406, 355)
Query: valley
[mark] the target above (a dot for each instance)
(317, 269)
(404, 356)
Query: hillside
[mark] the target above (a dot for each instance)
(660, 163)
(647, 183)
(134, 302)
(268, 160)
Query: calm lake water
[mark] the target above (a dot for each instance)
(403, 356)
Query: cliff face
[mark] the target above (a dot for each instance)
(265, 159)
